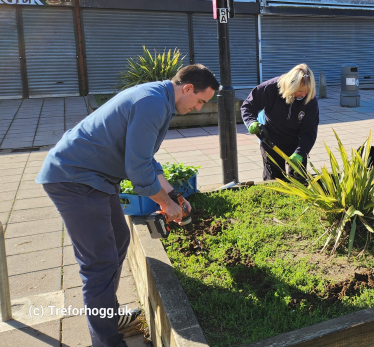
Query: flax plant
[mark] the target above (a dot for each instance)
(146, 68)
(346, 194)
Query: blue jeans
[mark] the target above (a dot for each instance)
(100, 237)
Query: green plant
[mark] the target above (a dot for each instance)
(149, 69)
(127, 187)
(345, 195)
(176, 174)
(179, 173)
(249, 271)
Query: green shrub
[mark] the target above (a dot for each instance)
(345, 195)
(174, 173)
(149, 69)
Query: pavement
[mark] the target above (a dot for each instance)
(43, 273)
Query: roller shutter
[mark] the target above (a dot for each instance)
(10, 67)
(113, 36)
(242, 31)
(51, 57)
(324, 43)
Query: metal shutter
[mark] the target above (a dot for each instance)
(206, 41)
(51, 56)
(112, 36)
(242, 31)
(10, 67)
(324, 43)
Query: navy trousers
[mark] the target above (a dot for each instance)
(100, 237)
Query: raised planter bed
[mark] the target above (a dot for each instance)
(162, 295)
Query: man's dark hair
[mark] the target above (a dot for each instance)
(198, 75)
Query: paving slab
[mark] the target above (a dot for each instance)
(6, 205)
(33, 214)
(74, 297)
(32, 243)
(32, 169)
(10, 179)
(34, 261)
(5, 187)
(22, 204)
(71, 278)
(69, 258)
(4, 218)
(33, 227)
(127, 293)
(35, 283)
(75, 332)
(39, 335)
(11, 172)
(36, 192)
(66, 237)
(8, 195)
(30, 184)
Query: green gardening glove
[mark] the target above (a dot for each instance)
(254, 128)
(296, 158)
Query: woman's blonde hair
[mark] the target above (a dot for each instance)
(300, 76)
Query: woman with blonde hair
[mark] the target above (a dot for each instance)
(288, 108)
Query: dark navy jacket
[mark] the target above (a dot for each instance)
(295, 132)
(117, 141)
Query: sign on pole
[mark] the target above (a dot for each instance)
(222, 15)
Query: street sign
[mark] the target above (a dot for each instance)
(222, 15)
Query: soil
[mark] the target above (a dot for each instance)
(200, 227)
(345, 279)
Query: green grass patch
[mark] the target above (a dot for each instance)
(250, 273)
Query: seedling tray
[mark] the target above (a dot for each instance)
(137, 205)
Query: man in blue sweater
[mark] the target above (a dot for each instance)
(81, 175)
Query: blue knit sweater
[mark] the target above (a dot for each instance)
(117, 141)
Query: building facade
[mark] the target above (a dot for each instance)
(75, 47)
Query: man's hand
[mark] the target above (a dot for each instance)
(297, 159)
(173, 211)
(254, 128)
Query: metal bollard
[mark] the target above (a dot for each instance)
(6, 306)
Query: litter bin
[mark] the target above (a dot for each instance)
(350, 93)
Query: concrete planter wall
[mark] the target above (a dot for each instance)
(208, 115)
(173, 323)
(170, 317)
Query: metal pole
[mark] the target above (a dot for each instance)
(259, 47)
(226, 103)
(6, 307)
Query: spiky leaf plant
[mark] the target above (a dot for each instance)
(146, 68)
(344, 195)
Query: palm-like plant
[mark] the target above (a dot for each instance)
(149, 69)
(346, 194)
